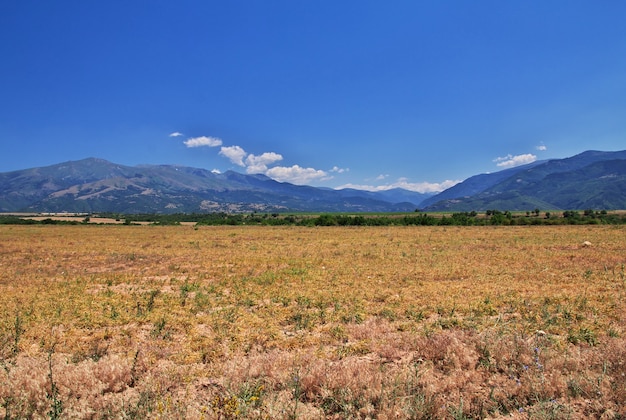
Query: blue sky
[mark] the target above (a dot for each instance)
(375, 94)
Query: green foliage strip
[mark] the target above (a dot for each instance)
(489, 218)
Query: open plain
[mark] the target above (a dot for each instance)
(312, 322)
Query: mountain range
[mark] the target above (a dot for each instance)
(96, 185)
(590, 180)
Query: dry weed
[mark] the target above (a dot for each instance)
(290, 322)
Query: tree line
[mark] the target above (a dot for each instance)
(488, 218)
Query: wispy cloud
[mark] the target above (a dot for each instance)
(421, 187)
(339, 170)
(203, 141)
(234, 153)
(176, 134)
(510, 161)
(541, 147)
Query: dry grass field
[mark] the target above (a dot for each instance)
(312, 323)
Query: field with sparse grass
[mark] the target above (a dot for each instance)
(312, 322)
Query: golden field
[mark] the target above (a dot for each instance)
(312, 323)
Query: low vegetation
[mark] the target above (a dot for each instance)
(234, 322)
(488, 218)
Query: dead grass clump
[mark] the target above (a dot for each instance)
(31, 387)
(24, 388)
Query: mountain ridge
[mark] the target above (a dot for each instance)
(557, 184)
(591, 179)
(94, 184)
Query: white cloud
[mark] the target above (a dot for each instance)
(258, 164)
(381, 177)
(339, 170)
(216, 171)
(235, 154)
(421, 187)
(176, 134)
(255, 164)
(203, 141)
(510, 161)
(541, 147)
(296, 174)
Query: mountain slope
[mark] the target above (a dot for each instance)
(589, 180)
(394, 195)
(600, 185)
(476, 184)
(92, 185)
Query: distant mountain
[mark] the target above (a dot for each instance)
(96, 185)
(590, 180)
(475, 184)
(394, 195)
